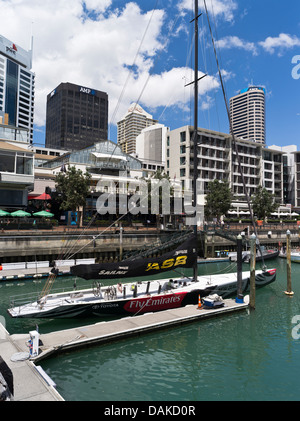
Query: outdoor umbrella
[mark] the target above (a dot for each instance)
(20, 213)
(4, 213)
(43, 196)
(44, 213)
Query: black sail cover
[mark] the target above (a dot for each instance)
(183, 256)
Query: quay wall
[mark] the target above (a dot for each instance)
(29, 246)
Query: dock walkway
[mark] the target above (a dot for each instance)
(103, 332)
(29, 385)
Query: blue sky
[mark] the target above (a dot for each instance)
(140, 51)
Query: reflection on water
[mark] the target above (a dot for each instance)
(243, 356)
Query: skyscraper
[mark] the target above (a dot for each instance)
(76, 117)
(16, 85)
(131, 125)
(247, 114)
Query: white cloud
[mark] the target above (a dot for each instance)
(98, 6)
(170, 85)
(218, 8)
(71, 47)
(94, 45)
(283, 41)
(236, 42)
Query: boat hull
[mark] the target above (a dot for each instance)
(295, 257)
(69, 306)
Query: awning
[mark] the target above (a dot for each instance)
(43, 196)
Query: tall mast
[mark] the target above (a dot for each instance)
(195, 135)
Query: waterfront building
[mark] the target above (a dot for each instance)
(134, 121)
(297, 181)
(112, 171)
(16, 86)
(289, 168)
(16, 167)
(247, 114)
(151, 148)
(217, 159)
(76, 117)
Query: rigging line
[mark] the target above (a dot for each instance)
(233, 136)
(129, 75)
(67, 256)
(142, 199)
(157, 57)
(134, 61)
(189, 53)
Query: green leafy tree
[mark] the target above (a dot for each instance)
(218, 199)
(72, 187)
(263, 203)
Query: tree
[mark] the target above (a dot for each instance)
(263, 203)
(218, 199)
(72, 187)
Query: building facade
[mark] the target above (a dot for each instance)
(217, 159)
(16, 86)
(247, 114)
(131, 125)
(151, 148)
(297, 181)
(16, 168)
(76, 117)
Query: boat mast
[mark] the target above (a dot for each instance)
(195, 134)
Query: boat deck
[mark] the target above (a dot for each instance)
(104, 332)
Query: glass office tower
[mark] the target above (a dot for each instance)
(16, 86)
(76, 117)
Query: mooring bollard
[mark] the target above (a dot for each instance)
(239, 298)
(288, 264)
(252, 271)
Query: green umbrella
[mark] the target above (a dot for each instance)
(44, 213)
(20, 213)
(4, 213)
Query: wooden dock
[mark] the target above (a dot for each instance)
(104, 332)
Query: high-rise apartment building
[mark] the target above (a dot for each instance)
(131, 125)
(16, 86)
(76, 117)
(247, 114)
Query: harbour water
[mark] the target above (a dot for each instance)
(245, 356)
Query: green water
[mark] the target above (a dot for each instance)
(244, 356)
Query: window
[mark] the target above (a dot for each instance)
(11, 91)
(7, 161)
(24, 164)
